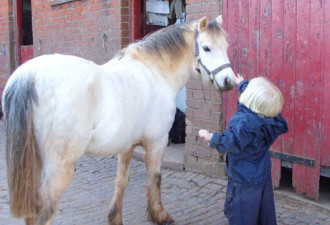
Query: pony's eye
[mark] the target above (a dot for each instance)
(206, 49)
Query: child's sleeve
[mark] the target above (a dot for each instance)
(234, 139)
(282, 125)
(242, 86)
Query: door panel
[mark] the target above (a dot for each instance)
(284, 41)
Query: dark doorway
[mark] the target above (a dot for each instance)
(27, 35)
(147, 28)
(140, 25)
(24, 32)
(287, 187)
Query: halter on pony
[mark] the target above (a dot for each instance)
(211, 74)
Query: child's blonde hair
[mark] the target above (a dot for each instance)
(262, 97)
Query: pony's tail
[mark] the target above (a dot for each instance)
(22, 153)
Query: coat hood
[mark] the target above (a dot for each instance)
(271, 127)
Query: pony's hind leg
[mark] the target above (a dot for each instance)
(153, 159)
(56, 178)
(122, 179)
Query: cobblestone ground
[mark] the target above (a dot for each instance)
(190, 198)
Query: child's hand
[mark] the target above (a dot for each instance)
(238, 78)
(204, 134)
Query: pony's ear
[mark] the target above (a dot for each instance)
(219, 20)
(202, 24)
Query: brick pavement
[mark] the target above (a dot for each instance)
(190, 198)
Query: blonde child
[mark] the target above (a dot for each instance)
(250, 133)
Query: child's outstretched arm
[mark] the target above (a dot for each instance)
(241, 83)
(205, 135)
(233, 140)
(238, 78)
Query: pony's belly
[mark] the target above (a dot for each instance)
(109, 148)
(105, 150)
(109, 143)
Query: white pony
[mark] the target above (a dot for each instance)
(58, 108)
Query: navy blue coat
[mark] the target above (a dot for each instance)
(247, 141)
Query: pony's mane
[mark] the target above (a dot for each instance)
(167, 40)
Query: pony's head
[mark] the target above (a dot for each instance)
(211, 47)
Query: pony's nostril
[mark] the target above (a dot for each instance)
(226, 81)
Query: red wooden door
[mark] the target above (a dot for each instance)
(139, 27)
(24, 36)
(287, 41)
(135, 20)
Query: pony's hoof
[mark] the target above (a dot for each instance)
(171, 222)
(160, 217)
(114, 216)
(29, 221)
(114, 223)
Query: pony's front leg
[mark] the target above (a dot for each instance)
(122, 179)
(153, 159)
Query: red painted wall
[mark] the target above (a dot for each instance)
(287, 42)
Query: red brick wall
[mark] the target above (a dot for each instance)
(204, 110)
(92, 29)
(7, 64)
(198, 8)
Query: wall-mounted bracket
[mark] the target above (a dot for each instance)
(3, 51)
(293, 159)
